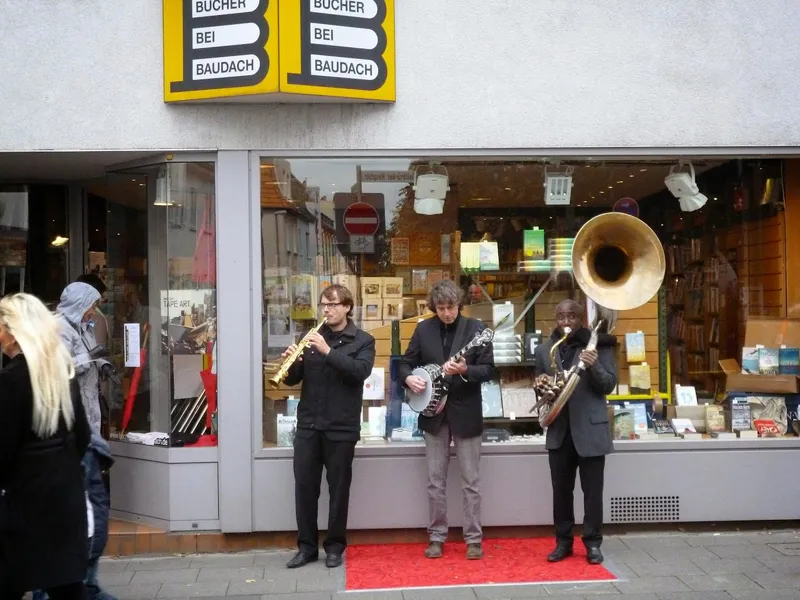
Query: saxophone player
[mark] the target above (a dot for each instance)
(579, 438)
(433, 341)
(332, 368)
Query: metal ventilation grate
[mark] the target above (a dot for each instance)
(645, 509)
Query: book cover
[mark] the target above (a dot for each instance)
(634, 347)
(662, 426)
(624, 424)
(489, 256)
(533, 244)
(639, 378)
(304, 297)
(715, 418)
(375, 384)
(750, 360)
(492, 399)
(682, 426)
(639, 416)
(788, 361)
(768, 361)
(286, 427)
(740, 414)
(685, 395)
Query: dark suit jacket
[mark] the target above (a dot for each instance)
(464, 408)
(588, 413)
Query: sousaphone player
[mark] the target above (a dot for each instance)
(618, 262)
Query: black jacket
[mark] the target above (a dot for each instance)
(43, 516)
(585, 416)
(464, 408)
(333, 385)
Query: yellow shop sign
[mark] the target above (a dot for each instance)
(278, 50)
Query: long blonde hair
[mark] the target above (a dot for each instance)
(35, 329)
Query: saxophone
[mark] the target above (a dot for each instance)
(276, 380)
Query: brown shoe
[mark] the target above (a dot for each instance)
(434, 550)
(474, 551)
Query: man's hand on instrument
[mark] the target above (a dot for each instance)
(288, 351)
(589, 357)
(455, 368)
(318, 342)
(416, 384)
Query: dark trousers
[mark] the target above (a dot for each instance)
(564, 463)
(314, 449)
(101, 503)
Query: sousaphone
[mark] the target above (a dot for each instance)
(618, 262)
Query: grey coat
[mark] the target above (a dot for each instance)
(76, 299)
(588, 413)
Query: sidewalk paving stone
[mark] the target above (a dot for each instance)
(701, 566)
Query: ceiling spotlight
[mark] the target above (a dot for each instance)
(558, 187)
(684, 187)
(430, 190)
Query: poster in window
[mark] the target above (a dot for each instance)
(188, 321)
(400, 251)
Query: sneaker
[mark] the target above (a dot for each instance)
(434, 550)
(474, 551)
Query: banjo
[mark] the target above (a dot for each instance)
(431, 401)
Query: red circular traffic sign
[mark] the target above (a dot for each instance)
(361, 218)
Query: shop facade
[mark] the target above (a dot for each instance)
(247, 214)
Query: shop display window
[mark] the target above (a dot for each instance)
(158, 261)
(503, 230)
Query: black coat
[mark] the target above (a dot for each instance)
(585, 415)
(464, 408)
(45, 528)
(331, 398)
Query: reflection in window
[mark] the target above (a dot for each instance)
(359, 222)
(161, 271)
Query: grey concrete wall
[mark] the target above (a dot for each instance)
(470, 74)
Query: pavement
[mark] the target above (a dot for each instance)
(650, 566)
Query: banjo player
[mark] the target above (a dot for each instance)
(436, 340)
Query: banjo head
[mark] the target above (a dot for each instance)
(419, 401)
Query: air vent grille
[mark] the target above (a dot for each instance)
(645, 509)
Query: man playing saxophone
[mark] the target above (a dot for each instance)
(333, 367)
(579, 438)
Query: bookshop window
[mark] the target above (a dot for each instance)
(157, 258)
(495, 229)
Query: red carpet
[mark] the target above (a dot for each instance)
(505, 561)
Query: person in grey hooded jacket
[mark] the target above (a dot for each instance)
(78, 304)
(79, 301)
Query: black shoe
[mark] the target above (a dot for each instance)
(301, 559)
(333, 560)
(594, 556)
(561, 552)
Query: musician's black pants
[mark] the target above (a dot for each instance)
(564, 463)
(314, 449)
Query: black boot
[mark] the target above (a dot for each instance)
(561, 552)
(301, 559)
(593, 555)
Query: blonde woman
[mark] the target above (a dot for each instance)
(44, 434)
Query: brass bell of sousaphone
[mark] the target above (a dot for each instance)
(618, 262)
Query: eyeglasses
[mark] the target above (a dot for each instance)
(324, 305)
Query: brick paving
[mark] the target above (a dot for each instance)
(702, 566)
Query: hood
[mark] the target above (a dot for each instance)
(76, 299)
